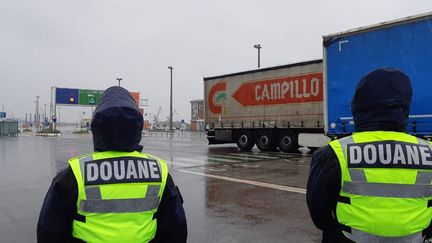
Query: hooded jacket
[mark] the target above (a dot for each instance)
(116, 126)
(381, 103)
(117, 122)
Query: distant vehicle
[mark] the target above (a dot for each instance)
(268, 107)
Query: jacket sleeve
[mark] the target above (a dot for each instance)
(58, 209)
(171, 219)
(323, 190)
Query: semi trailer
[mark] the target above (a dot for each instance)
(268, 107)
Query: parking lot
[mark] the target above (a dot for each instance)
(229, 196)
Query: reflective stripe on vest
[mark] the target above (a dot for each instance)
(387, 189)
(118, 194)
(387, 200)
(360, 236)
(119, 205)
(95, 204)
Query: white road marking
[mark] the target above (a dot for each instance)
(230, 158)
(215, 169)
(195, 161)
(176, 163)
(247, 166)
(211, 159)
(250, 182)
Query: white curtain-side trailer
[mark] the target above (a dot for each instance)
(268, 107)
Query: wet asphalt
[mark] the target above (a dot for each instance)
(229, 195)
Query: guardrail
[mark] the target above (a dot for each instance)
(177, 134)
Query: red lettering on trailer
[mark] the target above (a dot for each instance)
(285, 90)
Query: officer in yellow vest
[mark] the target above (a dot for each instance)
(116, 193)
(375, 185)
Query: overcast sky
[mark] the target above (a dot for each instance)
(89, 43)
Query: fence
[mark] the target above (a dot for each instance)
(9, 128)
(177, 134)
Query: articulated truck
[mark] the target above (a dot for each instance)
(268, 107)
(278, 106)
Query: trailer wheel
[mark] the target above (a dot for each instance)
(265, 141)
(288, 142)
(245, 140)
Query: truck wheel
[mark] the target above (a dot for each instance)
(265, 141)
(245, 140)
(288, 142)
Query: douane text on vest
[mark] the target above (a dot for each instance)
(121, 170)
(389, 154)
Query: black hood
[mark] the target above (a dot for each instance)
(117, 122)
(381, 101)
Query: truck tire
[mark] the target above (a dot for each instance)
(288, 142)
(245, 140)
(265, 141)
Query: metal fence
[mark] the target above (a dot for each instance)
(177, 134)
(9, 128)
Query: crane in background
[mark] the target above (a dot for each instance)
(175, 112)
(156, 118)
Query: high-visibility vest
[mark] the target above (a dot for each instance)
(386, 187)
(118, 194)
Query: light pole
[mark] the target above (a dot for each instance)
(37, 113)
(258, 46)
(170, 116)
(119, 79)
(58, 117)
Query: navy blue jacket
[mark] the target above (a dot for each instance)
(381, 103)
(116, 126)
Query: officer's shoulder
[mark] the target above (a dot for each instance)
(324, 150)
(324, 159)
(323, 154)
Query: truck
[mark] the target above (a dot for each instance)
(276, 107)
(404, 43)
(268, 107)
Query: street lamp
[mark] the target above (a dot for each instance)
(58, 116)
(37, 119)
(258, 46)
(119, 79)
(170, 116)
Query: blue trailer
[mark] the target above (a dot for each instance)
(405, 44)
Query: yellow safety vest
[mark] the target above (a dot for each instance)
(118, 194)
(386, 187)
